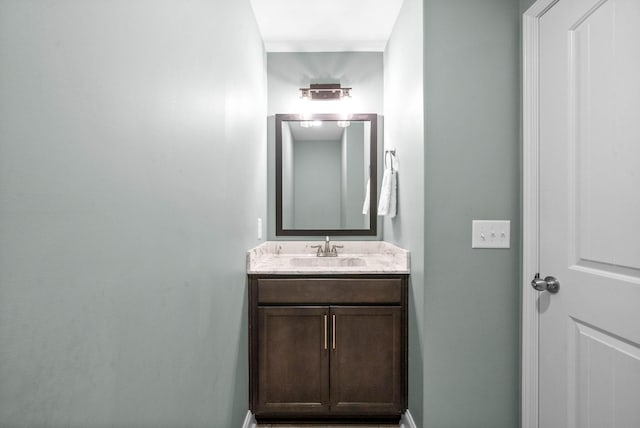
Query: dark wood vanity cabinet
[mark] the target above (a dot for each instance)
(292, 362)
(366, 362)
(328, 347)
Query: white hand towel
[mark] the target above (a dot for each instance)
(367, 198)
(393, 200)
(388, 194)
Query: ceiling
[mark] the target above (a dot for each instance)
(325, 25)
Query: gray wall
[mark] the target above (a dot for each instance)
(344, 178)
(471, 313)
(317, 184)
(132, 171)
(403, 98)
(287, 72)
(354, 187)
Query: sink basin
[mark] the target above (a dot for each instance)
(327, 261)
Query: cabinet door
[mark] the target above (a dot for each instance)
(366, 360)
(293, 360)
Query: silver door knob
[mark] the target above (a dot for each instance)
(549, 284)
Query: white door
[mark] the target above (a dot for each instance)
(589, 237)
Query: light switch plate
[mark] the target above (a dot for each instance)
(491, 234)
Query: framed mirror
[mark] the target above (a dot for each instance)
(324, 165)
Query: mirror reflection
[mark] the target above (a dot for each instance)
(322, 173)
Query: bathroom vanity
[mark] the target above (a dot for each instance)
(328, 335)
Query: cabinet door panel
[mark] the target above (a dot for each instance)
(293, 362)
(366, 363)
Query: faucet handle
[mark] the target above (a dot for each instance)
(334, 248)
(319, 247)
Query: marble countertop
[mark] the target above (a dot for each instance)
(356, 257)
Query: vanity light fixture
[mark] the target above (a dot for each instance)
(325, 91)
(343, 123)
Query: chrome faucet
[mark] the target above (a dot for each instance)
(329, 250)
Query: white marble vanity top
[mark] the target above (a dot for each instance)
(356, 257)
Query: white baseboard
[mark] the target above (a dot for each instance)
(249, 421)
(405, 422)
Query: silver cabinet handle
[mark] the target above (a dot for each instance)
(334, 331)
(325, 332)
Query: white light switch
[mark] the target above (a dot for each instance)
(259, 228)
(491, 234)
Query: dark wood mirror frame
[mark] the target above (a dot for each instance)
(372, 118)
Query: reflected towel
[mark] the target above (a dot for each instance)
(367, 198)
(388, 193)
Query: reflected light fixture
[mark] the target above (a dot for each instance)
(325, 91)
(310, 123)
(343, 123)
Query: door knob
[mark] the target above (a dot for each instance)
(549, 284)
